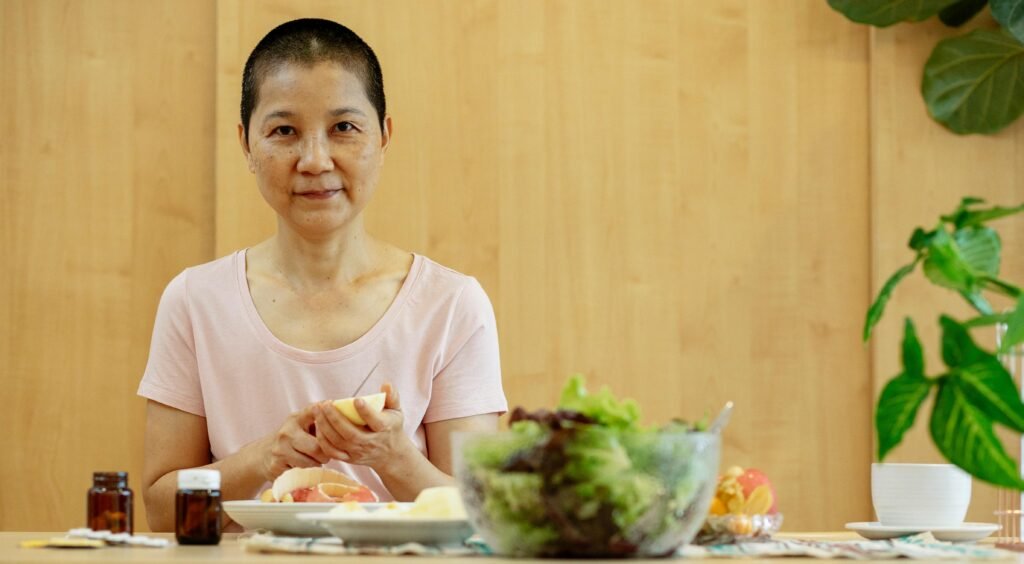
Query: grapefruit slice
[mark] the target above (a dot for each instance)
(347, 406)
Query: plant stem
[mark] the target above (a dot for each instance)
(1000, 287)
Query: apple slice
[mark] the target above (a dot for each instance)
(347, 406)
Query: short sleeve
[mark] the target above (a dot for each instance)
(469, 382)
(172, 372)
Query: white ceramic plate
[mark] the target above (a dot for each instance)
(965, 532)
(391, 529)
(280, 518)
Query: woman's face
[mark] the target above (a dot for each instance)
(315, 145)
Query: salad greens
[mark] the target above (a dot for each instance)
(588, 480)
(602, 407)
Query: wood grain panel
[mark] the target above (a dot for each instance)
(671, 197)
(107, 187)
(919, 171)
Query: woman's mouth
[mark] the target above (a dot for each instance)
(318, 194)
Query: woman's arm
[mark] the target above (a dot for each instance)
(177, 440)
(439, 437)
(406, 475)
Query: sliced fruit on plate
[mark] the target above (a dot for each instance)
(754, 481)
(316, 485)
(743, 491)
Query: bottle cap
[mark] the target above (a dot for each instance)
(110, 479)
(201, 479)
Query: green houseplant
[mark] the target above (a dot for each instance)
(972, 83)
(974, 391)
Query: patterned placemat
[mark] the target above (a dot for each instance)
(922, 546)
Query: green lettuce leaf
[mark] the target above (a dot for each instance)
(602, 407)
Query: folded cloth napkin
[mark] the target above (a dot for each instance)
(922, 546)
(268, 543)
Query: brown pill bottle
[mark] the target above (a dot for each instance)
(110, 503)
(197, 508)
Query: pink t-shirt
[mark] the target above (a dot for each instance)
(212, 355)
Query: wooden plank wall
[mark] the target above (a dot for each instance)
(106, 169)
(689, 202)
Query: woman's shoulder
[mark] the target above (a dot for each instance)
(207, 277)
(450, 289)
(443, 278)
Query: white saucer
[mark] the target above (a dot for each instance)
(964, 532)
(387, 528)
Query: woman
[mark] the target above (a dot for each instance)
(248, 350)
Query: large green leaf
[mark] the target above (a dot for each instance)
(878, 307)
(897, 409)
(991, 389)
(981, 376)
(902, 396)
(960, 13)
(1010, 13)
(958, 349)
(1014, 328)
(884, 13)
(965, 216)
(913, 357)
(965, 437)
(979, 248)
(944, 265)
(975, 83)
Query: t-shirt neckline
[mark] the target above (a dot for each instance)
(355, 347)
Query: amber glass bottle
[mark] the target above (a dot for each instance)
(197, 507)
(110, 503)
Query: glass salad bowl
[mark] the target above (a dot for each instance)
(556, 487)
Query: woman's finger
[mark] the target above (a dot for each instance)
(373, 418)
(304, 418)
(341, 425)
(332, 451)
(308, 446)
(327, 437)
(391, 400)
(325, 432)
(296, 459)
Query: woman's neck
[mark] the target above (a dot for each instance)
(343, 256)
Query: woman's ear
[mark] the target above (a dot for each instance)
(245, 148)
(385, 137)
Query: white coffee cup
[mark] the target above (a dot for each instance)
(920, 495)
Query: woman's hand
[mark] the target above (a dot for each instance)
(380, 442)
(292, 446)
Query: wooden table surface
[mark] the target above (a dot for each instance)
(230, 551)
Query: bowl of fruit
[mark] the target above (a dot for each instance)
(743, 508)
(586, 480)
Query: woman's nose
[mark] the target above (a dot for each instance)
(315, 157)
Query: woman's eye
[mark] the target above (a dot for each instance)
(344, 127)
(284, 130)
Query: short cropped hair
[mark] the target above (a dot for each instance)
(309, 41)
